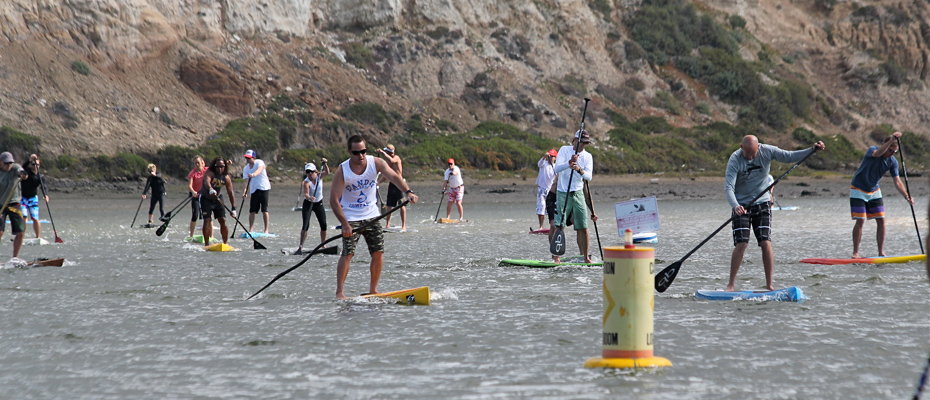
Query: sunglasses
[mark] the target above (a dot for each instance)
(309, 172)
(221, 166)
(359, 152)
(8, 163)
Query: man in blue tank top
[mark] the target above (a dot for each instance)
(354, 202)
(865, 197)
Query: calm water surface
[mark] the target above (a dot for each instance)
(133, 315)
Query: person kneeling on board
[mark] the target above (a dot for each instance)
(865, 196)
(354, 202)
(211, 201)
(747, 176)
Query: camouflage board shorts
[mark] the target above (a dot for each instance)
(374, 237)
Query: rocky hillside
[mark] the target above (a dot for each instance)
(106, 76)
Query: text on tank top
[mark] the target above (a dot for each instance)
(359, 199)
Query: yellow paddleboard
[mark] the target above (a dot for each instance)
(450, 221)
(219, 247)
(418, 295)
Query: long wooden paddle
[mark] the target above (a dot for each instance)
(161, 229)
(248, 186)
(47, 208)
(441, 196)
(908, 189)
(255, 244)
(137, 212)
(557, 244)
(666, 276)
(319, 246)
(590, 201)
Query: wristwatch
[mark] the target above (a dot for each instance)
(409, 191)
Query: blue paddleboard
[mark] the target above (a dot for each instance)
(256, 235)
(792, 293)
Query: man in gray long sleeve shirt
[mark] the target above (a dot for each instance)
(747, 176)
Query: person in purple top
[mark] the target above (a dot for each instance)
(865, 197)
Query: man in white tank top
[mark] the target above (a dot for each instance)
(354, 202)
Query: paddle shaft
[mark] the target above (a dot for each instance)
(559, 235)
(255, 243)
(161, 229)
(666, 276)
(436, 218)
(177, 207)
(137, 212)
(907, 188)
(591, 206)
(248, 186)
(320, 246)
(49, 209)
(923, 381)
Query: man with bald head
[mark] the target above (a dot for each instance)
(747, 176)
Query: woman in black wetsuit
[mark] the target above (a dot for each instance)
(157, 183)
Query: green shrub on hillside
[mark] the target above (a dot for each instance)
(358, 55)
(18, 143)
(839, 154)
(80, 67)
(176, 160)
(370, 114)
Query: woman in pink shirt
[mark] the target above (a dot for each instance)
(194, 183)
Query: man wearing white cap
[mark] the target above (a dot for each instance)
(257, 187)
(10, 175)
(313, 201)
(395, 196)
(576, 164)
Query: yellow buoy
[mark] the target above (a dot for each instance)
(628, 309)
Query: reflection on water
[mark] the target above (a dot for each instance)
(133, 315)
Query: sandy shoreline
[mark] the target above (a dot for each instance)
(604, 188)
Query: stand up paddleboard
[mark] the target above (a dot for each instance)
(646, 237)
(33, 241)
(245, 235)
(42, 262)
(575, 261)
(419, 296)
(150, 226)
(543, 231)
(793, 293)
(219, 247)
(326, 250)
(873, 260)
(199, 239)
(451, 221)
(397, 230)
(786, 208)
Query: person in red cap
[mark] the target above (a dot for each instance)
(456, 186)
(543, 182)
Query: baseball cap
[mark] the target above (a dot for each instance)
(583, 136)
(553, 153)
(250, 154)
(451, 161)
(6, 157)
(310, 167)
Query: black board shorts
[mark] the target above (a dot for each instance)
(210, 207)
(395, 196)
(259, 201)
(758, 218)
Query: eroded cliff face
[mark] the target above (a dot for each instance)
(526, 63)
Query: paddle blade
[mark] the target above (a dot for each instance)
(666, 276)
(257, 246)
(557, 245)
(161, 229)
(58, 239)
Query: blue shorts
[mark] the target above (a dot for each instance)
(30, 206)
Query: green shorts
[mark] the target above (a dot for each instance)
(373, 237)
(576, 208)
